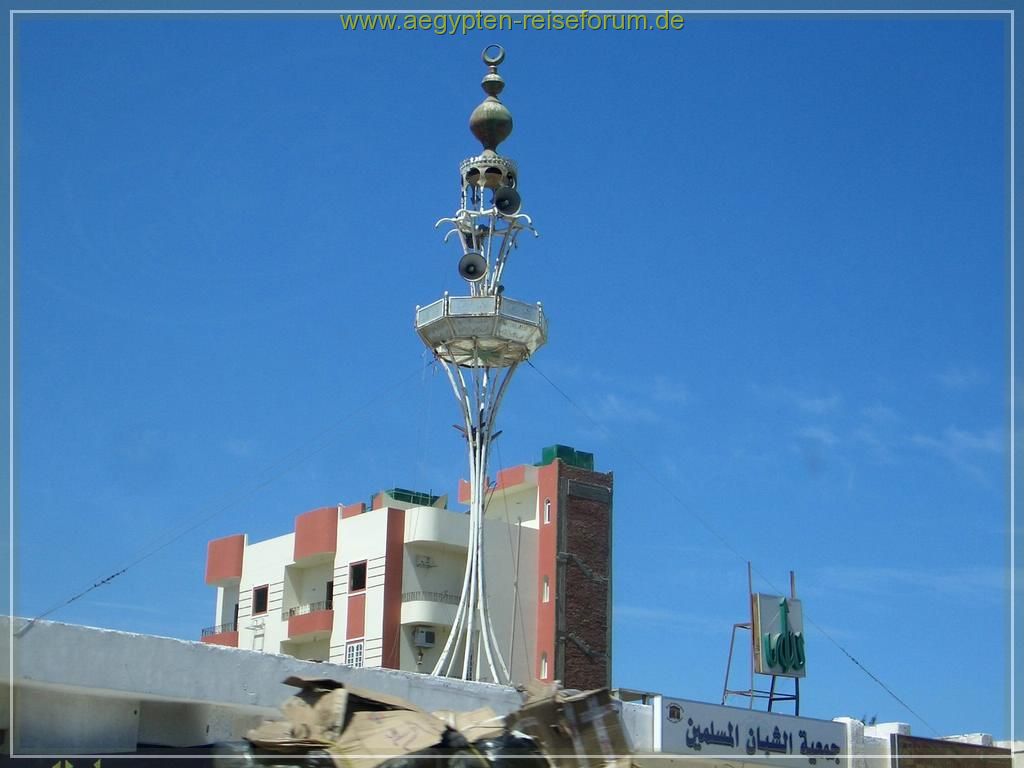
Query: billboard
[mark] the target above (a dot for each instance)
(709, 730)
(778, 629)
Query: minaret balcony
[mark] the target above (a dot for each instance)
(482, 331)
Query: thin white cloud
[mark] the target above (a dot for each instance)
(881, 447)
(817, 406)
(668, 391)
(956, 379)
(823, 436)
(669, 619)
(975, 454)
(976, 582)
(615, 408)
(877, 432)
(880, 414)
(963, 448)
(239, 448)
(629, 400)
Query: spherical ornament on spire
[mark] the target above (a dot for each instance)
(491, 123)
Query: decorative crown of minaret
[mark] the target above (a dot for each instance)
(491, 122)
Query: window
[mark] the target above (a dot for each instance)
(329, 596)
(547, 511)
(546, 597)
(543, 666)
(357, 576)
(259, 599)
(354, 654)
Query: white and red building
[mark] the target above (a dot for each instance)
(379, 586)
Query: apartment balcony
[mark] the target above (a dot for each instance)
(222, 634)
(309, 622)
(428, 527)
(437, 608)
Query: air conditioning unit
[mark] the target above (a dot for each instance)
(423, 637)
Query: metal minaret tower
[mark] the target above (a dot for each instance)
(480, 339)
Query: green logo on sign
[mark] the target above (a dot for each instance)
(784, 649)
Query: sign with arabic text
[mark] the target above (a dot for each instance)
(778, 627)
(694, 728)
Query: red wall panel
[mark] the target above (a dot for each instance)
(356, 623)
(316, 532)
(224, 558)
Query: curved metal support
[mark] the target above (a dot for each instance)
(472, 648)
(490, 232)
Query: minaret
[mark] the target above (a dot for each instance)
(480, 339)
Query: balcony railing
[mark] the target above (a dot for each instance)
(299, 610)
(433, 597)
(231, 626)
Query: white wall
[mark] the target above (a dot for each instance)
(183, 724)
(227, 597)
(517, 502)
(445, 575)
(865, 751)
(264, 563)
(362, 537)
(502, 594)
(82, 689)
(305, 585)
(437, 527)
(50, 721)
(309, 650)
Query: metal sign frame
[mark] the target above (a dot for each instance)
(751, 692)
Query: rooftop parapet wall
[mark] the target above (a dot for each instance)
(351, 510)
(112, 663)
(513, 477)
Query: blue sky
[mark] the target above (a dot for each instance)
(774, 256)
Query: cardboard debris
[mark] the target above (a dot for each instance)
(363, 729)
(277, 736)
(481, 723)
(371, 738)
(318, 715)
(537, 690)
(584, 729)
(361, 698)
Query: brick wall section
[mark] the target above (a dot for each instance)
(584, 632)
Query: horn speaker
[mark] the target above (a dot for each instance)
(507, 201)
(472, 267)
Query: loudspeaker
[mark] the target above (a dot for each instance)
(507, 201)
(473, 266)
